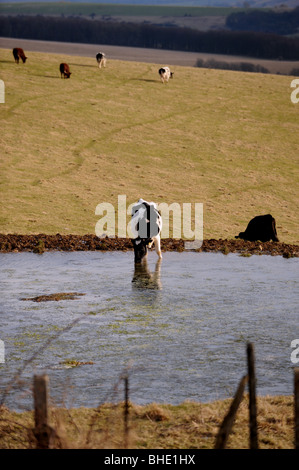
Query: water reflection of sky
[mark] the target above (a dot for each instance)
(181, 326)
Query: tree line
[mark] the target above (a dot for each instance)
(236, 66)
(285, 23)
(81, 30)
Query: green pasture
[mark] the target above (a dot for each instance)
(102, 9)
(226, 139)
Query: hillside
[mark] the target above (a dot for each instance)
(181, 15)
(226, 139)
(193, 3)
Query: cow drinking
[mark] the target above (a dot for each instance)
(146, 225)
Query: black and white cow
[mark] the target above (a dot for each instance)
(144, 278)
(101, 59)
(146, 226)
(165, 74)
(261, 227)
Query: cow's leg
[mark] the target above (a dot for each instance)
(158, 246)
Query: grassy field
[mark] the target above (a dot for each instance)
(185, 426)
(226, 139)
(102, 9)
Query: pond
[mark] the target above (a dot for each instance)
(179, 328)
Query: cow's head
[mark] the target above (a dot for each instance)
(140, 248)
(241, 235)
(24, 59)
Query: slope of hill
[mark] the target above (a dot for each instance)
(202, 18)
(226, 139)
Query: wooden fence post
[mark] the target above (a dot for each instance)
(126, 412)
(252, 397)
(229, 419)
(296, 400)
(42, 430)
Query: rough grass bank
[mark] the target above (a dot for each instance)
(185, 426)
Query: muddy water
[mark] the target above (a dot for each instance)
(181, 327)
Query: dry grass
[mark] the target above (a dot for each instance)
(155, 426)
(226, 139)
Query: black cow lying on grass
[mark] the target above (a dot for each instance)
(261, 227)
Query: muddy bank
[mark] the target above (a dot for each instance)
(41, 242)
(55, 297)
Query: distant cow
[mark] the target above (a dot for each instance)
(261, 227)
(18, 54)
(65, 71)
(101, 59)
(146, 224)
(165, 74)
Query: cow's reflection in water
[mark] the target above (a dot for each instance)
(143, 278)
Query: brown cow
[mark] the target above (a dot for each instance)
(18, 54)
(65, 71)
